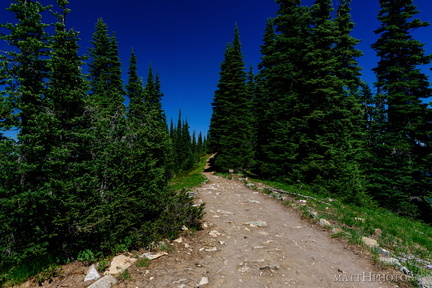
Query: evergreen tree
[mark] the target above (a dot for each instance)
(69, 157)
(345, 49)
(106, 112)
(398, 171)
(134, 87)
(330, 151)
(281, 81)
(25, 203)
(232, 111)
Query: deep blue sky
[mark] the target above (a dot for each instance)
(184, 40)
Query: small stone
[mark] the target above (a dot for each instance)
(383, 251)
(405, 270)
(179, 240)
(323, 222)
(184, 228)
(369, 242)
(390, 261)
(153, 256)
(192, 194)
(270, 267)
(425, 282)
(214, 233)
(204, 281)
(104, 282)
(223, 211)
(120, 263)
(92, 274)
(314, 215)
(337, 230)
(257, 223)
(213, 249)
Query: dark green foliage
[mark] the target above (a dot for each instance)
(398, 171)
(310, 125)
(231, 126)
(84, 175)
(184, 150)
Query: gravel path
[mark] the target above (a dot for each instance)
(250, 240)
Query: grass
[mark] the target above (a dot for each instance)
(408, 240)
(190, 179)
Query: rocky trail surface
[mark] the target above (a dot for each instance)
(249, 240)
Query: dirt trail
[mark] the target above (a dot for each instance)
(285, 251)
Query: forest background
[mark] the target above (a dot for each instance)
(88, 173)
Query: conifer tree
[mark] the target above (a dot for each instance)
(345, 49)
(330, 150)
(25, 201)
(134, 88)
(398, 170)
(232, 111)
(69, 157)
(281, 78)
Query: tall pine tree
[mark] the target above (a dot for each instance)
(401, 145)
(231, 126)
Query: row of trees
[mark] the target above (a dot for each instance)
(308, 118)
(85, 172)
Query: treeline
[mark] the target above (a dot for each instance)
(86, 173)
(307, 118)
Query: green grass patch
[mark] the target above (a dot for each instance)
(190, 179)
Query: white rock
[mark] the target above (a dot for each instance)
(223, 211)
(120, 263)
(214, 233)
(104, 282)
(257, 223)
(425, 282)
(204, 281)
(323, 222)
(179, 240)
(92, 274)
(153, 256)
(211, 249)
(390, 261)
(370, 242)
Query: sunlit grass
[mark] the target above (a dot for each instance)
(190, 179)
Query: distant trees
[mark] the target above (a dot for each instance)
(85, 174)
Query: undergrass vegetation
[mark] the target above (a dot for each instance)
(190, 179)
(408, 240)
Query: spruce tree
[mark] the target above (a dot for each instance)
(24, 202)
(345, 49)
(329, 153)
(280, 84)
(232, 111)
(399, 149)
(106, 112)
